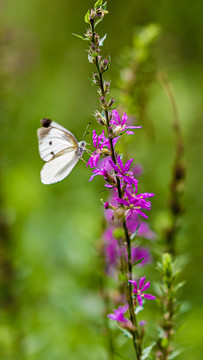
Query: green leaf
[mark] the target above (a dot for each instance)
(90, 58)
(147, 351)
(138, 309)
(80, 37)
(97, 4)
(104, 6)
(179, 286)
(174, 354)
(138, 261)
(101, 41)
(122, 356)
(135, 233)
(87, 17)
(126, 333)
(97, 21)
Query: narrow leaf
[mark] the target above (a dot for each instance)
(97, 21)
(147, 351)
(80, 37)
(174, 354)
(87, 17)
(104, 6)
(126, 333)
(179, 285)
(97, 4)
(101, 41)
(138, 309)
(121, 356)
(138, 261)
(135, 232)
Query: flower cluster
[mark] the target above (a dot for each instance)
(131, 202)
(124, 203)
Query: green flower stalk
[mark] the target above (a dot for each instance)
(118, 177)
(169, 307)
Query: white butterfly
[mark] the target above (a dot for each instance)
(60, 149)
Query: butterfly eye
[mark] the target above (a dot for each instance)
(83, 143)
(46, 122)
(50, 142)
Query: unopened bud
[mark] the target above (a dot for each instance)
(106, 205)
(106, 87)
(100, 118)
(111, 102)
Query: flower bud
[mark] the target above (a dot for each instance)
(111, 102)
(106, 87)
(100, 118)
(106, 205)
(95, 79)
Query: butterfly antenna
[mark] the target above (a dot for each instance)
(86, 132)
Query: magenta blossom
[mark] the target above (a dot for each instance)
(104, 169)
(138, 253)
(120, 124)
(134, 203)
(123, 171)
(142, 228)
(102, 146)
(99, 141)
(139, 290)
(118, 314)
(137, 170)
(142, 322)
(111, 250)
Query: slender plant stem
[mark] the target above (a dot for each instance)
(135, 334)
(175, 207)
(178, 173)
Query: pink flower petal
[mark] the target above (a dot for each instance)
(149, 297)
(146, 286)
(139, 299)
(141, 283)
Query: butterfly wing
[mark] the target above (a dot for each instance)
(54, 138)
(59, 167)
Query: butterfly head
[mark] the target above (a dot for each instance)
(81, 148)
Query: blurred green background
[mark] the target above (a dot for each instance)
(50, 304)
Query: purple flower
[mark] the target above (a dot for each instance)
(123, 171)
(144, 231)
(142, 322)
(134, 203)
(102, 146)
(139, 290)
(138, 253)
(111, 250)
(118, 314)
(104, 169)
(99, 141)
(137, 170)
(120, 123)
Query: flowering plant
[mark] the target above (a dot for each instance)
(126, 206)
